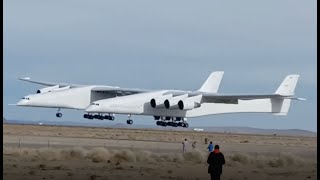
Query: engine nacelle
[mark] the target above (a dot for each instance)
(173, 102)
(159, 101)
(188, 105)
(47, 89)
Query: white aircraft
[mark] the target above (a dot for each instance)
(169, 107)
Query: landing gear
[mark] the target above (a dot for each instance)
(58, 114)
(98, 116)
(111, 118)
(129, 121)
(185, 125)
(171, 121)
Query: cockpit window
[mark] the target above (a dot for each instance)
(96, 104)
(26, 98)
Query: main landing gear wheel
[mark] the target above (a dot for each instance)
(186, 125)
(129, 121)
(111, 118)
(59, 115)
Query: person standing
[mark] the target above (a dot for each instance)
(215, 161)
(184, 146)
(210, 147)
(194, 145)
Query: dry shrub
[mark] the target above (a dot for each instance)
(99, 155)
(196, 156)
(49, 154)
(241, 158)
(73, 153)
(144, 156)
(125, 155)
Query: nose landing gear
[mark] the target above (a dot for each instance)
(58, 114)
(129, 121)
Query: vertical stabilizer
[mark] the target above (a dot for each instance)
(288, 85)
(212, 83)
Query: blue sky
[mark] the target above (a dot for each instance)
(163, 45)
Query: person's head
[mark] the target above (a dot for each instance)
(210, 142)
(216, 147)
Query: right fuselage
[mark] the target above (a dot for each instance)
(139, 104)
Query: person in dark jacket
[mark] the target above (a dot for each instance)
(215, 161)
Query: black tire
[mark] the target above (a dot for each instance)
(130, 121)
(186, 125)
(175, 124)
(158, 123)
(111, 118)
(90, 117)
(179, 124)
(85, 116)
(59, 115)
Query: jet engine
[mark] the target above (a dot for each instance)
(47, 89)
(158, 102)
(172, 103)
(188, 105)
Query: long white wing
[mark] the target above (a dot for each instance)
(27, 79)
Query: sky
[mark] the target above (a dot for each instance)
(163, 45)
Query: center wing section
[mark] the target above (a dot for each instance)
(117, 90)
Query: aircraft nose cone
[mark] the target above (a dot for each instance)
(22, 102)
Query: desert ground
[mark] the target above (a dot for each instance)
(71, 153)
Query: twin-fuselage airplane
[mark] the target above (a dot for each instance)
(168, 107)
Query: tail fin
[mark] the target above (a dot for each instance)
(212, 83)
(288, 85)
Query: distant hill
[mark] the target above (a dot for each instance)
(249, 130)
(4, 120)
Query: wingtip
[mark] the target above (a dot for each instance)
(25, 78)
(302, 99)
